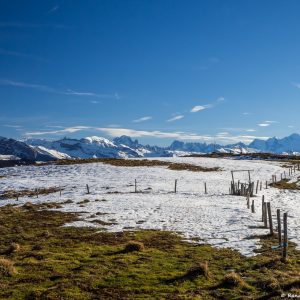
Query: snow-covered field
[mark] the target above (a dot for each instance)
(215, 218)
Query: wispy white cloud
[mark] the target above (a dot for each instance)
(115, 132)
(32, 25)
(21, 55)
(53, 9)
(250, 130)
(142, 119)
(214, 60)
(48, 89)
(246, 113)
(291, 126)
(296, 84)
(89, 94)
(266, 123)
(12, 126)
(197, 108)
(176, 118)
(270, 122)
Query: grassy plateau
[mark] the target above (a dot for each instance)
(42, 259)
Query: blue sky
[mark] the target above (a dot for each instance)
(156, 70)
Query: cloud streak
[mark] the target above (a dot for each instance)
(115, 132)
(21, 55)
(176, 118)
(53, 9)
(32, 25)
(143, 119)
(48, 89)
(198, 108)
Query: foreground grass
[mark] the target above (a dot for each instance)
(43, 260)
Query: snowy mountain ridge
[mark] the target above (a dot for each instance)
(124, 146)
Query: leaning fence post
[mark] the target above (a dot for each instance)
(279, 226)
(257, 183)
(175, 186)
(205, 188)
(285, 237)
(270, 218)
(87, 188)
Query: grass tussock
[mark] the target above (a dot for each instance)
(134, 246)
(118, 162)
(58, 262)
(7, 268)
(200, 269)
(13, 248)
(233, 279)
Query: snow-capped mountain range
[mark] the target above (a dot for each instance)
(124, 146)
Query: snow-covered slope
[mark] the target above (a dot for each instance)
(14, 148)
(89, 147)
(216, 218)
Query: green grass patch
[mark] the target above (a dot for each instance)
(56, 262)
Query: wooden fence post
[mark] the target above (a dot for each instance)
(175, 186)
(262, 208)
(270, 218)
(252, 207)
(257, 183)
(265, 215)
(285, 237)
(205, 188)
(87, 188)
(266, 184)
(279, 226)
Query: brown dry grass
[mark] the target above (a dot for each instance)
(7, 267)
(139, 163)
(233, 280)
(28, 192)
